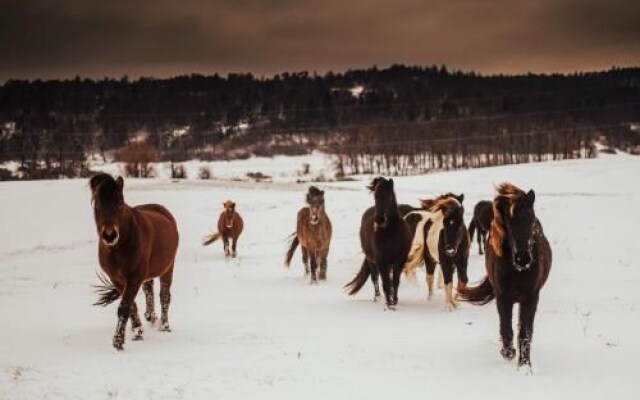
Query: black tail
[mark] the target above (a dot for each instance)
(292, 249)
(479, 295)
(472, 228)
(359, 280)
(107, 292)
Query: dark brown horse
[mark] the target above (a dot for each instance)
(230, 227)
(136, 244)
(385, 239)
(440, 237)
(313, 233)
(481, 221)
(518, 261)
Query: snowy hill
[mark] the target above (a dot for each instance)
(252, 329)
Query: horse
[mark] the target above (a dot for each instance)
(440, 237)
(230, 227)
(482, 217)
(385, 239)
(136, 245)
(313, 233)
(518, 262)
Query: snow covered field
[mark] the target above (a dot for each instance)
(252, 329)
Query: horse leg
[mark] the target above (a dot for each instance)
(481, 240)
(525, 333)
(463, 279)
(150, 313)
(124, 311)
(165, 299)
(386, 285)
(314, 266)
(305, 259)
(431, 268)
(397, 271)
(225, 241)
(374, 279)
(441, 278)
(136, 324)
(447, 274)
(233, 247)
(323, 265)
(505, 309)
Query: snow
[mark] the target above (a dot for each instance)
(253, 329)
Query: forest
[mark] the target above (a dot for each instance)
(399, 120)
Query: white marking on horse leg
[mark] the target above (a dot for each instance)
(440, 278)
(449, 303)
(430, 285)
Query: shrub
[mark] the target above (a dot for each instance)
(178, 171)
(138, 157)
(204, 172)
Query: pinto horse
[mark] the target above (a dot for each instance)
(440, 237)
(313, 233)
(481, 221)
(136, 245)
(230, 227)
(518, 261)
(385, 239)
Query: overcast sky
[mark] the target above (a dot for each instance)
(97, 38)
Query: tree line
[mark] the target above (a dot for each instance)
(396, 120)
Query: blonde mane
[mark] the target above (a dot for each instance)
(511, 193)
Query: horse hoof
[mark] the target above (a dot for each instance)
(391, 307)
(165, 327)
(151, 317)
(508, 353)
(449, 307)
(313, 282)
(524, 368)
(118, 343)
(376, 298)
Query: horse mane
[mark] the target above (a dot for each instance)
(511, 193)
(444, 202)
(98, 179)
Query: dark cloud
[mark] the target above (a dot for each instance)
(64, 38)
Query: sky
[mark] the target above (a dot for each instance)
(96, 38)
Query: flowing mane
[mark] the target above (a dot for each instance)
(511, 193)
(446, 202)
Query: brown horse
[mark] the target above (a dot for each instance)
(136, 244)
(230, 227)
(313, 233)
(518, 261)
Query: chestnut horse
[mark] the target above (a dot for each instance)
(136, 245)
(386, 240)
(313, 233)
(230, 227)
(518, 261)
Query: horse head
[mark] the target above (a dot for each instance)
(514, 224)
(315, 200)
(229, 209)
(385, 198)
(108, 207)
(452, 211)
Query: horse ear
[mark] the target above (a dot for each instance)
(531, 197)
(460, 198)
(120, 183)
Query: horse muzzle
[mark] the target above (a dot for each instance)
(450, 251)
(522, 261)
(110, 237)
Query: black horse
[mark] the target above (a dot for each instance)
(385, 239)
(440, 237)
(518, 262)
(481, 221)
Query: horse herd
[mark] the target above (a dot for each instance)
(138, 244)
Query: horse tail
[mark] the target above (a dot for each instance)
(416, 252)
(292, 249)
(359, 280)
(479, 295)
(210, 239)
(472, 228)
(107, 292)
